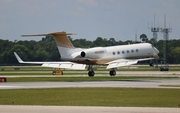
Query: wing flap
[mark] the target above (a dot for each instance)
(54, 65)
(131, 62)
(78, 66)
(65, 65)
(120, 64)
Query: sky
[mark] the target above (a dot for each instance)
(89, 19)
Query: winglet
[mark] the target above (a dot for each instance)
(18, 58)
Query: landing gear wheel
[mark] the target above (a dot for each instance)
(112, 73)
(91, 73)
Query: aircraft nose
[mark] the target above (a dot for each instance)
(155, 52)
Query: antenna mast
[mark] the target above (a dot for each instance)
(155, 30)
(165, 46)
(165, 31)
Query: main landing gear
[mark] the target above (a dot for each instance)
(112, 72)
(91, 73)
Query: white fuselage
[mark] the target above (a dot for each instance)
(112, 56)
(102, 55)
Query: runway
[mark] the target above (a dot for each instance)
(141, 83)
(80, 109)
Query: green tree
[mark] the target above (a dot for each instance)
(46, 49)
(143, 37)
(112, 41)
(48, 38)
(174, 55)
(99, 41)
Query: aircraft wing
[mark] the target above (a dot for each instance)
(124, 62)
(65, 65)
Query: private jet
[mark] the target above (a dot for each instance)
(112, 56)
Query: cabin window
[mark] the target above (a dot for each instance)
(127, 51)
(113, 53)
(137, 50)
(118, 52)
(132, 51)
(123, 52)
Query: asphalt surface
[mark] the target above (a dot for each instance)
(144, 83)
(79, 109)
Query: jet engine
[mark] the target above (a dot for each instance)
(93, 53)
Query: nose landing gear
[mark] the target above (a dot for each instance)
(151, 64)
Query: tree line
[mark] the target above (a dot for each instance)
(46, 49)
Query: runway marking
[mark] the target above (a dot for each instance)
(11, 87)
(88, 109)
(148, 83)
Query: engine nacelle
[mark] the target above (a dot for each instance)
(93, 53)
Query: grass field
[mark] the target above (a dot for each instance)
(78, 79)
(136, 97)
(92, 97)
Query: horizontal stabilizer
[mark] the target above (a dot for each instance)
(34, 35)
(49, 34)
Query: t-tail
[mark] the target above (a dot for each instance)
(65, 47)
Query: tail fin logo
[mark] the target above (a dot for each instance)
(62, 39)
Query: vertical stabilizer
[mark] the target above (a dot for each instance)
(62, 39)
(63, 43)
